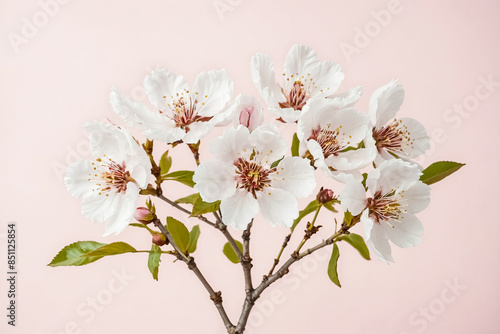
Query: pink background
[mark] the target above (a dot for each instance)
(60, 77)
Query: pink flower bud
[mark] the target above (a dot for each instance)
(143, 215)
(325, 196)
(248, 111)
(159, 239)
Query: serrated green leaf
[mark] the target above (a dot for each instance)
(193, 238)
(439, 170)
(191, 199)
(154, 260)
(358, 243)
(113, 248)
(295, 145)
(311, 207)
(75, 254)
(229, 251)
(165, 163)
(179, 233)
(332, 265)
(200, 207)
(182, 176)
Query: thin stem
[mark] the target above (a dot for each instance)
(277, 259)
(246, 260)
(177, 206)
(163, 252)
(216, 297)
(310, 230)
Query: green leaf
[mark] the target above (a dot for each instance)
(365, 177)
(200, 207)
(276, 163)
(76, 254)
(311, 207)
(332, 265)
(113, 248)
(182, 176)
(179, 233)
(229, 251)
(348, 218)
(439, 170)
(330, 206)
(295, 145)
(193, 238)
(357, 242)
(191, 199)
(165, 163)
(154, 260)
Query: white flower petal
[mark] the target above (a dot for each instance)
(278, 207)
(263, 76)
(376, 239)
(346, 176)
(349, 98)
(417, 197)
(418, 141)
(350, 160)
(407, 233)
(215, 180)
(162, 87)
(99, 208)
(317, 152)
(268, 144)
(239, 209)
(327, 78)
(294, 175)
(212, 90)
(246, 110)
(77, 178)
(288, 115)
(300, 60)
(385, 102)
(166, 135)
(353, 198)
(136, 114)
(197, 130)
(124, 213)
(391, 174)
(233, 144)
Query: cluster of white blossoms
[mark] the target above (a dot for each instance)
(370, 153)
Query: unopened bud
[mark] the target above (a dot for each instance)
(159, 239)
(325, 196)
(248, 111)
(143, 215)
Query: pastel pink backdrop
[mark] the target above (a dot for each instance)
(60, 77)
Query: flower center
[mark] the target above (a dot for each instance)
(394, 137)
(331, 141)
(385, 207)
(110, 176)
(297, 97)
(251, 176)
(184, 112)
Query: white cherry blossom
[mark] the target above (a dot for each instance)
(109, 186)
(405, 137)
(242, 177)
(330, 133)
(180, 113)
(388, 213)
(304, 77)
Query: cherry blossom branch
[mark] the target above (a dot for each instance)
(246, 260)
(282, 271)
(215, 296)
